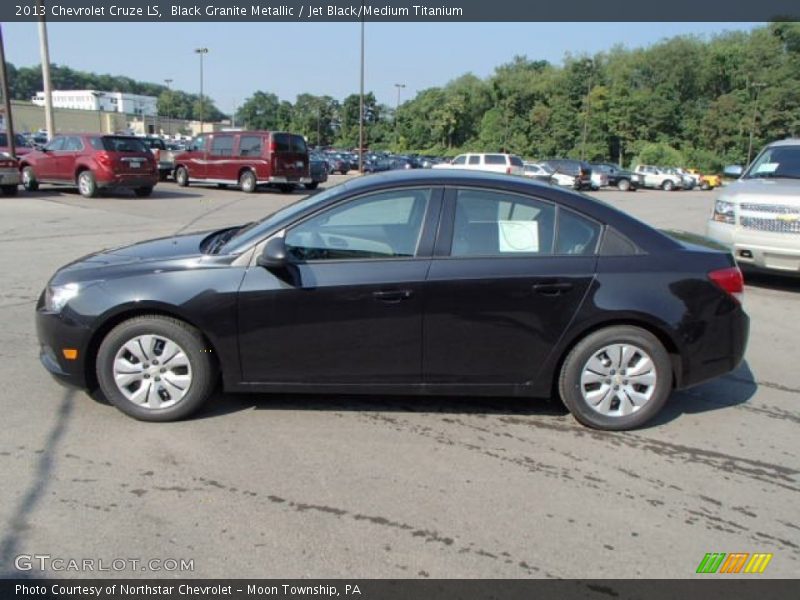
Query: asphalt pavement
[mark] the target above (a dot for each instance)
(386, 487)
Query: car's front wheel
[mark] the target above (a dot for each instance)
(247, 181)
(623, 185)
(616, 378)
(29, 181)
(155, 368)
(668, 185)
(182, 176)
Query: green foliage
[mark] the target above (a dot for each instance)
(25, 82)
(660, 154)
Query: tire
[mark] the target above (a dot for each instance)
(10, 190)
(29, 180)
(193, 368)
(247, 181)
(143, 192)
(182, 176)
(87, 186)
(623, 185)
(163, 175)
(653, 388)
(668, 185)
(286, 188)
(705, 186)
(313, 185)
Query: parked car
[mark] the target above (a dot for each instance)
(599, 180)
(523, 289)
(9, 174)
(688, 181)
(618, 177)
(318, 170)
(658, 178)
(21, 144)
(509, 164)
(248, 159)
(576, 174)
(163, 155)
(537, 172)
(706, 181)
(758, 216)
(92, 162)
(338, 164)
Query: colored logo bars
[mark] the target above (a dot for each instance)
(737, 562)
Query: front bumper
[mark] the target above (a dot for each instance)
(55, 333)
(779, 252)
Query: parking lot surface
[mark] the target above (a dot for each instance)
(342, 486)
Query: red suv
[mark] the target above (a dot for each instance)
(92, 162)
(247, 159)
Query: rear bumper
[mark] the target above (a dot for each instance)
(128, 181)
(288, 179)
(9, 177)
(778, 252)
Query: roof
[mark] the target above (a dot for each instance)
(786, 142)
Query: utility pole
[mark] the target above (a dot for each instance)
(758, 87)
(12, 146)
(169, 107)
(44, 52)
(361, 101)
(202, 52)
(399, 87)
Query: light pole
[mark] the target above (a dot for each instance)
(758, 87)
(202, 52)
(97, 95)
(44, 51)
(169, 110)
(399, 87)
(361, 101)
(12, 149)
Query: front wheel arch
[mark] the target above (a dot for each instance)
(115, 319)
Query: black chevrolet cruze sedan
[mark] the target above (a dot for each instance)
(416, 282)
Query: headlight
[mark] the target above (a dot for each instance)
(723, 212)
(57, 296)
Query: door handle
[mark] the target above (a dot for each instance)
(552, 289)
(393, 296)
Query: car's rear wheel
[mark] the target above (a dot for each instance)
(623, 185)
(668, 185)
(705, 186)
(247, 181)
(144, 191)
(29, 181)
(10, 190)
(182, 176)
(87, 186)
(616, 378)
(155, 368)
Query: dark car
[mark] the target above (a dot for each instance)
(21, 144)
(92, 162)
(579, 169)
(338, 163)
(422, 282)
(318, 168)
(618, 177)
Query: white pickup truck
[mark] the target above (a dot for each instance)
(509, 164)
(164, 157)
(659, 178)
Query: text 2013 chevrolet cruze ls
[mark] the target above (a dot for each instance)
(428, 282)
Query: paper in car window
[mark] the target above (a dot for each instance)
(767, 167)
(518, 236)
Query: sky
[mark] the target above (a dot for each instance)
(322, 58)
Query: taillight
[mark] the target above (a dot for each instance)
(508, 170)
(7, 164)
(730, 280)
(104, 158)
(273, 146)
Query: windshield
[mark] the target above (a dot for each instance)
(257, 229)
(778, 162)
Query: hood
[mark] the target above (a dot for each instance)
(165, 253)
(765, 191)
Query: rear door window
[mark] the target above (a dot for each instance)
(475, 160)
(250, 145)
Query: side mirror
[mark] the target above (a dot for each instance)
(734, 171)
(274, 255)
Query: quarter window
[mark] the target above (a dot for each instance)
(494, 159)
(475, 160)
(383, 225)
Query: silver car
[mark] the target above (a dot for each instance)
(758, 216)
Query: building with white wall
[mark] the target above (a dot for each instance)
(129, 104)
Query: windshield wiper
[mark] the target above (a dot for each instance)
(221, 238)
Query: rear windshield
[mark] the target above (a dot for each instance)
(155, 143)
(287, 142)
(19, 140)
(123, 144)
(516, 161)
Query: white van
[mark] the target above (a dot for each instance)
(510, 164)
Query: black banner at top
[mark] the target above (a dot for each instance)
(398, 10)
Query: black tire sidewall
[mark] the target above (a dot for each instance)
(569, 377)
(203, 371)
